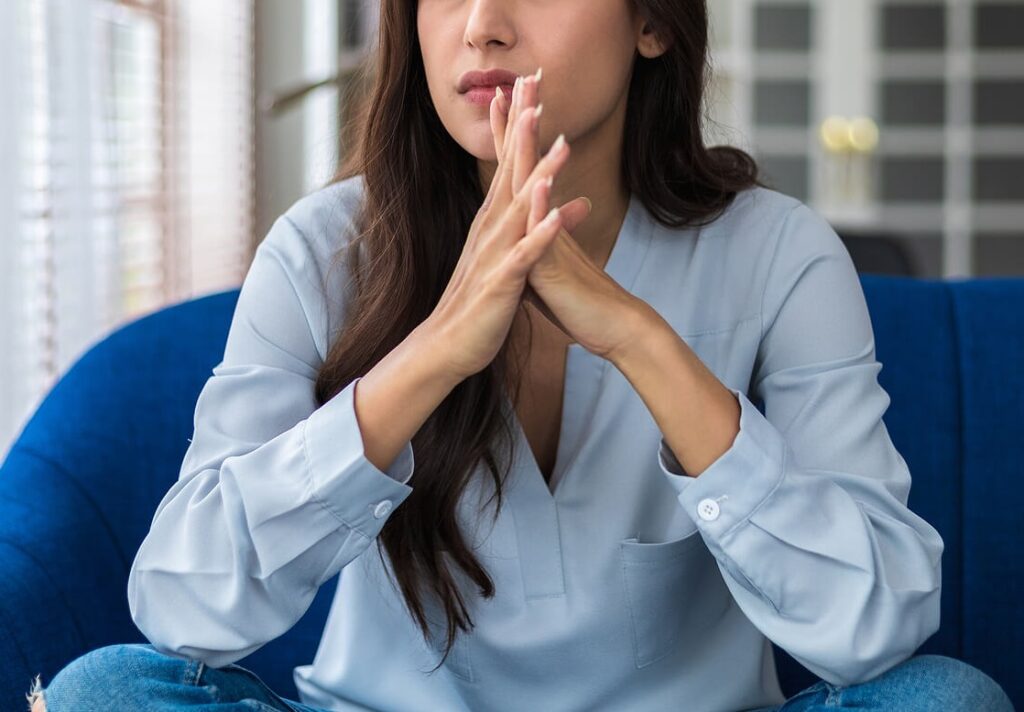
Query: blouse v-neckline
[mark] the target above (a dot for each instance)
(534, 503)
(584, 372)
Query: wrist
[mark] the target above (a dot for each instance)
(646, 330)
(429, 343)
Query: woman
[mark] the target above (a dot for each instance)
(652, 532)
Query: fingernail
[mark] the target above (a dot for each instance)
(590, 204)
(551, 179)
(559, 143)
(550, 218)
(536, 77)
(536, 116)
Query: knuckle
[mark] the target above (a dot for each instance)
(484, 240)
(521, 200)
(490, 284)
(521, 253)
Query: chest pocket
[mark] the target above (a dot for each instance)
(674, 591)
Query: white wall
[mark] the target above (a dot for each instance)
(296, 150)
(279, 139)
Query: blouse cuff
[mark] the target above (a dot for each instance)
(349, 485)
(726, 493)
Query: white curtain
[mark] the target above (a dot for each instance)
(126, 183)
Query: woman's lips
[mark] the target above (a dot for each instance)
(482, 95)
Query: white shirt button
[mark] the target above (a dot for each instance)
(707, 510)
(382, 508)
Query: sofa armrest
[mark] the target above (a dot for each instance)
(62, 576)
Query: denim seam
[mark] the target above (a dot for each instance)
(835, 695)
(254, 676)
(193, 672)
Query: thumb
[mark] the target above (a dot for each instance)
(575, 212)
(529, 295)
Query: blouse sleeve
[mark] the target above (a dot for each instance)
(806, 512)
(274, 495)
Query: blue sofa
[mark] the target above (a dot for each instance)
(80, 485)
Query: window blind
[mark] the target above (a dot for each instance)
(127, 183)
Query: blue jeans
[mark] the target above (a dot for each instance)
(137, 677)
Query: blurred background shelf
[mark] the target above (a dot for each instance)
(943, 81)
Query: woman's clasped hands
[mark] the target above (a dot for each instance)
(516, 242)
(509, 233)
(564, 283)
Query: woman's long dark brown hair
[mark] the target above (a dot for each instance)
(421, 192)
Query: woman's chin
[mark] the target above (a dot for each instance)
(482, 148)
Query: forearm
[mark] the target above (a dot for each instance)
(395, 397)
(697, 415)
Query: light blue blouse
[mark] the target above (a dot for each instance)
(626, 585)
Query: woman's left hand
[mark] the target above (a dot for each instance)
(565, 285)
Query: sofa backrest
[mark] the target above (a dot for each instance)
(953, 364)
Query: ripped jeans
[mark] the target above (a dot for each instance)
(137, 677)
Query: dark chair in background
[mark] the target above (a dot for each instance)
(878, 253)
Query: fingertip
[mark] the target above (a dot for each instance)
(543, 188)
(551, 219)
(495, 122)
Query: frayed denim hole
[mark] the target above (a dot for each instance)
(36, 693)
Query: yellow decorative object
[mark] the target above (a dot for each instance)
(863, 134)
(835, 134)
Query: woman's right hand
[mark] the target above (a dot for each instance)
(510, 232)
